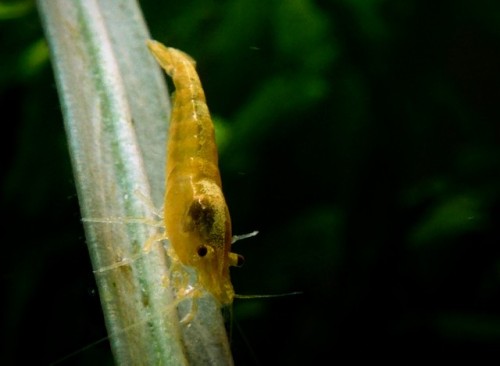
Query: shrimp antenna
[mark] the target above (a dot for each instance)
(243, 236)
(267, 296)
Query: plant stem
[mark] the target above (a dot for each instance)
(115, 110)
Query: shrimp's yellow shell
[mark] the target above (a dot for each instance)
(196, 216)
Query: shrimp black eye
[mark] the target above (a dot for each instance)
(202, 251)
(241, 261)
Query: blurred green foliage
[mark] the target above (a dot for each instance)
(361, 138)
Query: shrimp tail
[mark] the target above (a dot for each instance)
(165, 56)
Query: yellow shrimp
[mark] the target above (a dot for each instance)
(196, 216)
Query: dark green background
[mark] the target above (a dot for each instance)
(361, 137)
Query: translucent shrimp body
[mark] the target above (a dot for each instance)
(196, 216)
